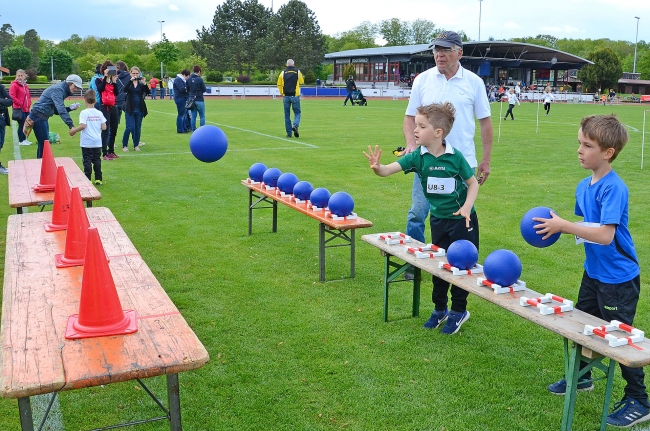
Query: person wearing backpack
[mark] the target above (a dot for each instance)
(94, 86)
(107, 88)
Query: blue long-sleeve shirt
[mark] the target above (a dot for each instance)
(51, 102)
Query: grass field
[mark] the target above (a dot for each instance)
(291, 353)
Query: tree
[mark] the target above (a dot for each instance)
(62, 63)
(7, 36)
(17, 57)
(362, 36)
(72, 45)
(422, 31)
(293, 33)
(643, 64)
(165, 52)
(232, 40)
(32, 42)
(604, 73)
(395, 31)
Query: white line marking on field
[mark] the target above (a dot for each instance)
(253, 132)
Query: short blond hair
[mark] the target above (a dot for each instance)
(607, 131)
(440, 115)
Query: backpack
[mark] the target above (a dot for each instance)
(93, 85)
(109, 96)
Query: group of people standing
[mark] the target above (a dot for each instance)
(188, 95)
(165, 85)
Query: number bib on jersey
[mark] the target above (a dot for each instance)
(440, 186)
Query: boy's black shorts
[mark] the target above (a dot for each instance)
(445, 231)
(609, 301)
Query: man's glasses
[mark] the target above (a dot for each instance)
(439, 50)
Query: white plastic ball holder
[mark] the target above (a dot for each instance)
(428, 251)
(392, 238)
(498, 289)
(549, 298)
(636, 335)
(477, 269)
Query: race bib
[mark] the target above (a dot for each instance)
(582, 240)
(440, 186)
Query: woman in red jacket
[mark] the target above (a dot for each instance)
(19, 92)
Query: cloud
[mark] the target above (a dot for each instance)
(174, 8)
(511, 25)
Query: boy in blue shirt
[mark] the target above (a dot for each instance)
(451, 189)
(610, 283)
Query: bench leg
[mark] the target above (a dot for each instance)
(253, 205)
(25, 409)
(174, 401)
(321, 251)
(572, 376)
(390, 276)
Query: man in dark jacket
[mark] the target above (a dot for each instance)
(50, 103)
(180, 97)
(289, 86)
(5, 120)
(350, 86)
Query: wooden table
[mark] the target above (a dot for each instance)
(342, 230)
(569, 325)
(24, 174)
(38, 298)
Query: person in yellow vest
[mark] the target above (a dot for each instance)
(289, 86)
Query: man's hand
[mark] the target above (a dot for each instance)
(482, 172)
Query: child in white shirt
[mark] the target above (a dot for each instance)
(91, 124)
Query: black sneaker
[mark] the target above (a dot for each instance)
(559, 387)
(295, 131)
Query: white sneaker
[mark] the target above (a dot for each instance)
(25, 143)
(141, 143)
(3, 170)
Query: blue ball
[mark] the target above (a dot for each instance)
(256, 172)
(341, 204)
(270, 177)
(502, 267)
(319, 197)
(302, 190)
(208, 143)
(286, 182)
(530, 233)
(462, 254)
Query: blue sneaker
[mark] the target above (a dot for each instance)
(454, 321)
(437, 317)
(630, 412)
(559, 387)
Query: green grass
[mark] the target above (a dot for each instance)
(288, 352)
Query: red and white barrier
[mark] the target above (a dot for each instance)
(636, 335)
(333, 216)
(516, 287)
(547, 309)
(428, 251)
(477, 269)
(394, 238)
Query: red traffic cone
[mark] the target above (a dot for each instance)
(61, 207)
(48, 170)
(100, 310)
(77, 235)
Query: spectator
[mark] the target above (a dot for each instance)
(289, 85)
(196, 88)
(180, 97)
(98, 99)
(123, 78)
(163, 87)
(350, 86)
(612, 96)
(50, 103)
(22, 102)
(108, 90)
(153, 85)
(5, 102)
(91, 124)
(170, 86)
(135, 109)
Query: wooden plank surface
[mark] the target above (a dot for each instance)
(24, 174)
(569, 325)
(318, 215)
(38, 298)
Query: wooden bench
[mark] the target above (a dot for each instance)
(38, 298)
(570, 325)
(342, 230)
(24, 174)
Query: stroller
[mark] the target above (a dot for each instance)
(357, 96)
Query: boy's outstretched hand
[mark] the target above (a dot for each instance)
(373, 156)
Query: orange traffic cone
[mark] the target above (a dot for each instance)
(48, 170)
(61, 207)
(100, 310)
(77, 235)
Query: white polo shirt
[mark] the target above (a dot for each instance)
(466, 91)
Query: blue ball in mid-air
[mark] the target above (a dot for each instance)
(530, 233)
(502, 267)
(302, 190)
(462, 254)
(319, 197)
(270, 177)
(286, 182)
(256, 172)
(341, 204)
(208, 143)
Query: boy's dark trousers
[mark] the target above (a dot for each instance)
(443, 233)
(92, 159)
(614, 302)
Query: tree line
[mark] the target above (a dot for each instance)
(251, 42)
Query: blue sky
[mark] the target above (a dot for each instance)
(501, 19)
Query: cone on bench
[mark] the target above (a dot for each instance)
(100, 310)
(47, 182)
(61, 207)
(77, 235)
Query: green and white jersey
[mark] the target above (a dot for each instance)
(442, 178)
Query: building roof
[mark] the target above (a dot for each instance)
(497, 53)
